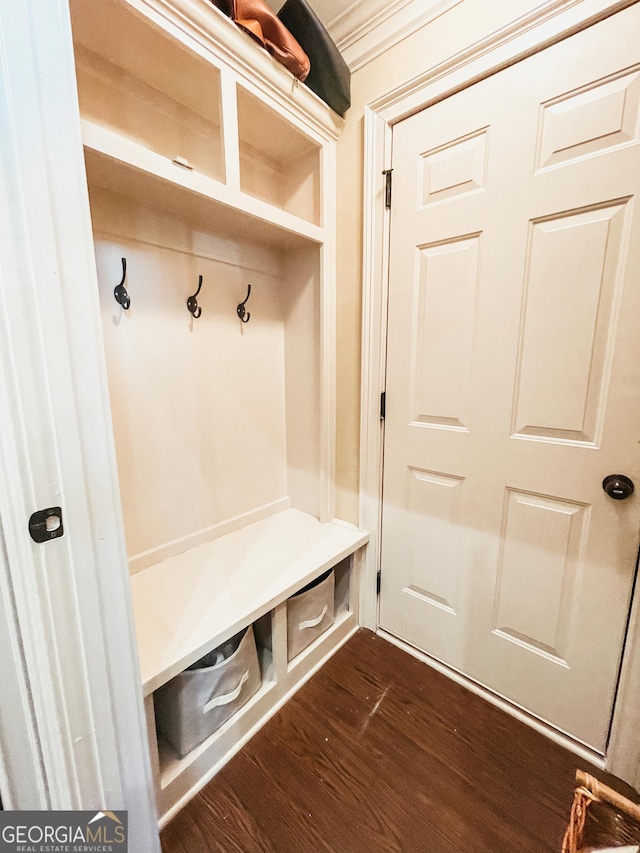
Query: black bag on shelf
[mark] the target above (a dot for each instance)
(329, 76)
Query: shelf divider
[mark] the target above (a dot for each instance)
(230, 128)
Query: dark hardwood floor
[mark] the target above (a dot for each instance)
(379, 753)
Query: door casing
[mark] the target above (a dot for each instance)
(74, 732)
(548, 24)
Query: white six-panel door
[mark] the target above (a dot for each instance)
(513, 377)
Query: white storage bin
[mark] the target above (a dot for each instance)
(195, 703)
(309, 613)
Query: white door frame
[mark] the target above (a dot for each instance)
(74, 733)
(549, 23)
(23, 782)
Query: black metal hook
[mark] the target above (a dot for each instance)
(192, 302)
(241, 309)
(120, 292)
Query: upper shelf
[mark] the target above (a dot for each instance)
(147, 87)
(187, 605)
(129, 169)
(152, 104)
(200, 21)
(278, 164)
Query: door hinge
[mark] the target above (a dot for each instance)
(378, 582)
(383, 405)
(387, 187)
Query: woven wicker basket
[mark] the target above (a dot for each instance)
(600, 818)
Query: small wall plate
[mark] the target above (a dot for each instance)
(46, 524)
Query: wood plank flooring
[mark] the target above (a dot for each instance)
(378, 753)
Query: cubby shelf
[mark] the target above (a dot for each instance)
(189, 604)
(179, 778)
(172, 765)
(131, 170)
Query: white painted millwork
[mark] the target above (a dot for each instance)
(512, 381)
(227, 584)
(179, 779)
(73, 736)
(365, 29)
(224, 431)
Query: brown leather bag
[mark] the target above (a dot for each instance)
(257, 19)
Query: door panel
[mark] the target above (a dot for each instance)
(435, 503)
(513, 377)
(581, 250)
(444, 319)
(541, 539)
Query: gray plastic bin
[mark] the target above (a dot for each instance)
(195, 703)
(309, 613)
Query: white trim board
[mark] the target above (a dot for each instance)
(22, 775)
(549, 23)
(362, 32)
(71, 618)
(149, 177)
(623, 751)
(142, 561)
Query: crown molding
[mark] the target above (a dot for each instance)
(548, 23)
(361, 33)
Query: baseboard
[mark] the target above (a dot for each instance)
(562, 739)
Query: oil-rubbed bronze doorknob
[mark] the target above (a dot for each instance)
(617, 486)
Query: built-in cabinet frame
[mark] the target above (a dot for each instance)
(551, 22)
(195, 587)
(178, 779)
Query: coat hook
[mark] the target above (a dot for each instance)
(120, 292)
(241, 309)
(192, 302)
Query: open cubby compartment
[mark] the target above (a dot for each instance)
(279, 164)
(216, 422)
(345, 605)
(211, 750)
(136, 81)
(343, 587)
(178, 779)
